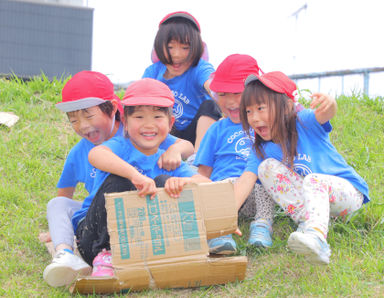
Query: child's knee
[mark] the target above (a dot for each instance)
(268, 167)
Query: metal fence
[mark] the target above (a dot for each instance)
(364, 72)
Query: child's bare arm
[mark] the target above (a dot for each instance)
(66, 192)
(205, 170)
(243, 187)
(174, 185)
(325, 107)
(104, 159)
(171, 159)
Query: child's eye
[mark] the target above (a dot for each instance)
(247, 111)
(72, 121)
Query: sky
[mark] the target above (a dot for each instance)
(326, 35)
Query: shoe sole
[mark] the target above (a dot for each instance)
(58, 276)
(260, 244)
(300, 246)
(226, 249)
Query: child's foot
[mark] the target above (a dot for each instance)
(224, 245)
(65, 267)
(102, 264)
(312, 245)
(260, 234)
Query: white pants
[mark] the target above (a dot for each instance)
(59, 215)
(311, 199)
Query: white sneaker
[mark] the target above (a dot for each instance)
(314, 247)
(65, 267)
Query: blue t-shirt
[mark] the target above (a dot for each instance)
(144, 164)
(77, 167)
(188, 89)
(315, 153)
(225, 148)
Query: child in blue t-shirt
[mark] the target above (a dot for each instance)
(94, 112)
(130, 163)
(224, 151)
(179, 47)
(296, 162)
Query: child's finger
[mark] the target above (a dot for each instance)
(238, 232)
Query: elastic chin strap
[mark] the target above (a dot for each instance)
(113, 125)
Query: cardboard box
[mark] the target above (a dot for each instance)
(162, 243)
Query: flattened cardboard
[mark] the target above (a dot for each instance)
(162, 243)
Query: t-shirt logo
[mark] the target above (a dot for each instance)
(301, 169)
(93, 173)
(243, 147)
(177, 109)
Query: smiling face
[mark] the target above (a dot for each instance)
(92, 124)
(179, 53)
(258, 117)
(229, 104)
(147, 127)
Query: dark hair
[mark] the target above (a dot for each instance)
(180, 30)
(282, 112)
(107, 108)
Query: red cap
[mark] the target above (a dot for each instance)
(87, 89)
(276, 81)
(148, 92)
(181, 14)
(232, 72)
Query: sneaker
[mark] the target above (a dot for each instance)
(224, 245)
(102, 264)
(260, 234)
(312, 245)
(64, 269)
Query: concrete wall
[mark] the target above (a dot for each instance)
(40, 37)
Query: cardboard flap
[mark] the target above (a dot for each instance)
(219, 208)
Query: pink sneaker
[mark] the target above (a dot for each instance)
(102, 264)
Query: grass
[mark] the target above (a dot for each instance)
(32, 153)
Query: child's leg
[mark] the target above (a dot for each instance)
(285, 187)
(65, 265)
(326, 196)
(260, 232)
(92, 233)
(59, 213)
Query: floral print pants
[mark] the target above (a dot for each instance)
(312, 199)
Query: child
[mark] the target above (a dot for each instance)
(225, 148)
(296, 162)
(94, 112)
(179, 47)
(129, 163)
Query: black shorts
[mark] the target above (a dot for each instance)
(208, 108)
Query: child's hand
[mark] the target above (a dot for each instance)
(170, 159)
(145, 185)
(325, 107)
(174, 186)
(45, 237)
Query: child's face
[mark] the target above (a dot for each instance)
(92, 124)
(179, 53)
(258, 119)
(147, 127)
(229, 104)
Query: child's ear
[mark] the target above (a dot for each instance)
(115, 105)
(171, 122)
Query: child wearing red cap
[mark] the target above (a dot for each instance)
(94, 112)
(179, 48)
(130, 163)
(225, 148)
(296, 162)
